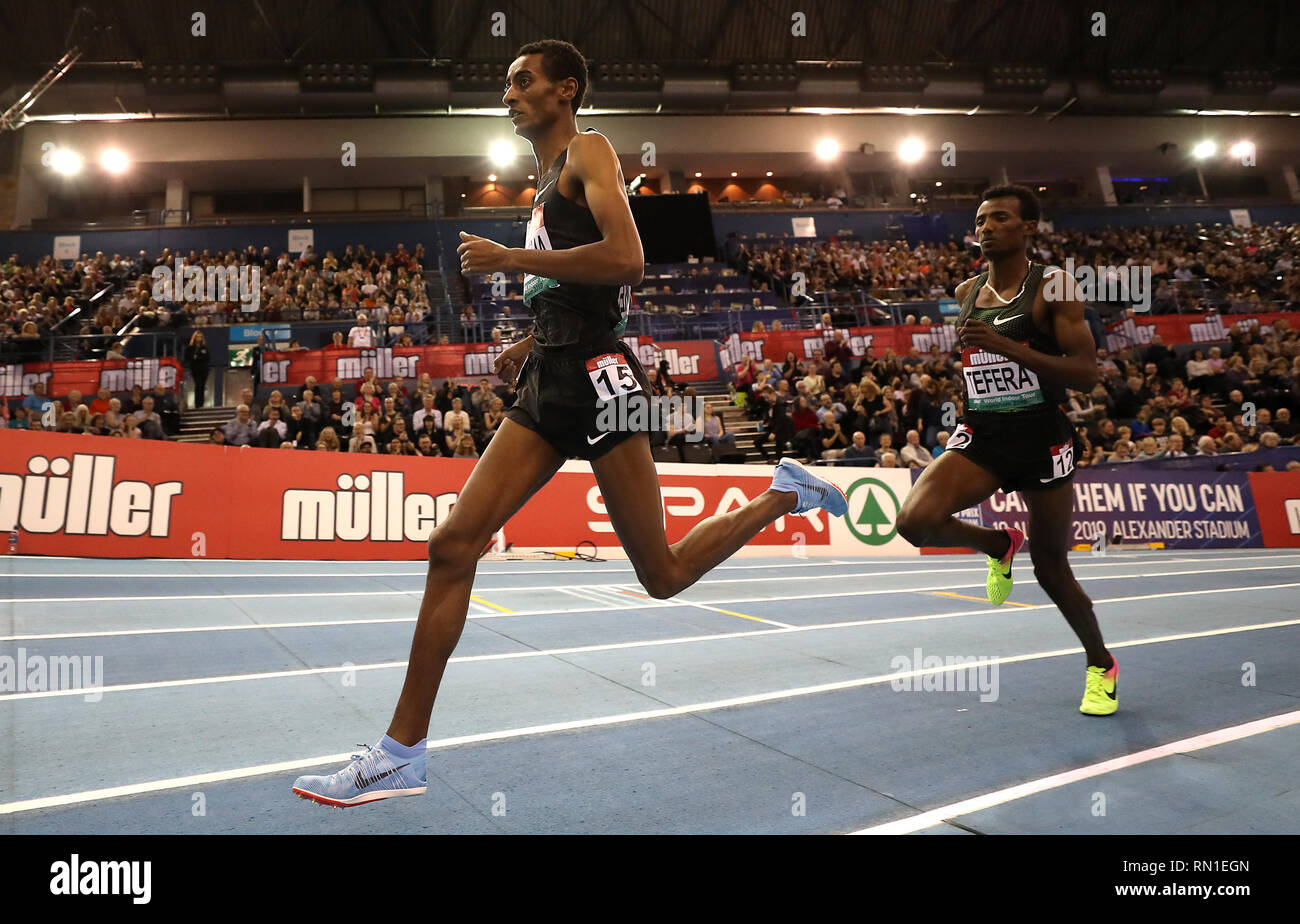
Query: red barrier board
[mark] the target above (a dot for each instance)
(88, 376)
(124, 498)
(1277, 505)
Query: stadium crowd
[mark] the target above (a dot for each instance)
(898, 411)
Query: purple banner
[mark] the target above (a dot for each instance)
(1184, 510)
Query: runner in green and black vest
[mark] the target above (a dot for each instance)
(1020, 350)
(580, 259)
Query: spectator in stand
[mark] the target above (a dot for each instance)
(888, 459)
(242, 430)
(465, 447)
(101, 403)
(198, 361)
(914, 454)
(150, 424)
(361, 336)
(425, 446)
(164, 403)
(37, 402)
(272, 432)
(806, 429)
(217, 436)
(858, 452)
(427, 410)
(831, 437)
(456, 417)
(492, 420)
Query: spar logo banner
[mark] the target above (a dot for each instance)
(88, 376)
(1184, 510)
(1187, 328)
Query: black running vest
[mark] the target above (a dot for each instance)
(569, 312)
(994, 383)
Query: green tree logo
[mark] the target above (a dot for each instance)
(873, 511)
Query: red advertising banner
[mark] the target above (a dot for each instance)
(688, 361)
(88, 376)
(1188, 328)
(899, 338)
(1277, 505)
(117, 498)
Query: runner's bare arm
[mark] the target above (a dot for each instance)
(615, 260)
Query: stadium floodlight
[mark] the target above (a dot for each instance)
(66, 162)
(827, 149)
(501, 153)
(1242, 149)
(1204, 149)
(114, 160)
(911, 150)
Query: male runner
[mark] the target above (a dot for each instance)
(581, 257)
(1020, 352)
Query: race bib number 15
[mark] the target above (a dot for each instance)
(611, 376)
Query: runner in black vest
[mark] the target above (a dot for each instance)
(1020, 350)
(581, 257)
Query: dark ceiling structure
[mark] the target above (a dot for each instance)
(277, 58)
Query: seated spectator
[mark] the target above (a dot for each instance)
(424, 446)
(449, 420)
(888, 460)
(1148, 449)
(164, 403)
(493, 419)
(831, 436)
(37, 402)
(242, 430)
(941, 443)
(100, 404)
(858, 452)
(150, 423)
(464, 447)
(272, 432)
(217, 436)
(1174, 448)
(130, 429)
(914, 454)
(428, 410)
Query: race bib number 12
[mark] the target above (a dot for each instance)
(1062, 460)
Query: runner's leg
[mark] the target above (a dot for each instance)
(948, 485)
(629, 485)
(514, 466)
(1050, 515)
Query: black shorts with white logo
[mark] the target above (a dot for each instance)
(1028, 450)
(563, 390)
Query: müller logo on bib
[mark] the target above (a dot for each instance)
(994, 382)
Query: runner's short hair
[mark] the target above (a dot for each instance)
(560, 61)
(1030, 209)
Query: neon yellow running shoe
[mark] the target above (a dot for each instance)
(999, 582)
(1101, 692)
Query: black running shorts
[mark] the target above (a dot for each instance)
(1026, 449)
(561, 392)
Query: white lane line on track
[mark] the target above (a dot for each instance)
(937, 816)
(648, 643)
(221, 776)
(590, 588)
(482, 572)
(887, 565)
(611, 607)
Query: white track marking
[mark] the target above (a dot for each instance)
(597, 587)
(95, 795)
(648, 604)
(937, 816)
(648, 643)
